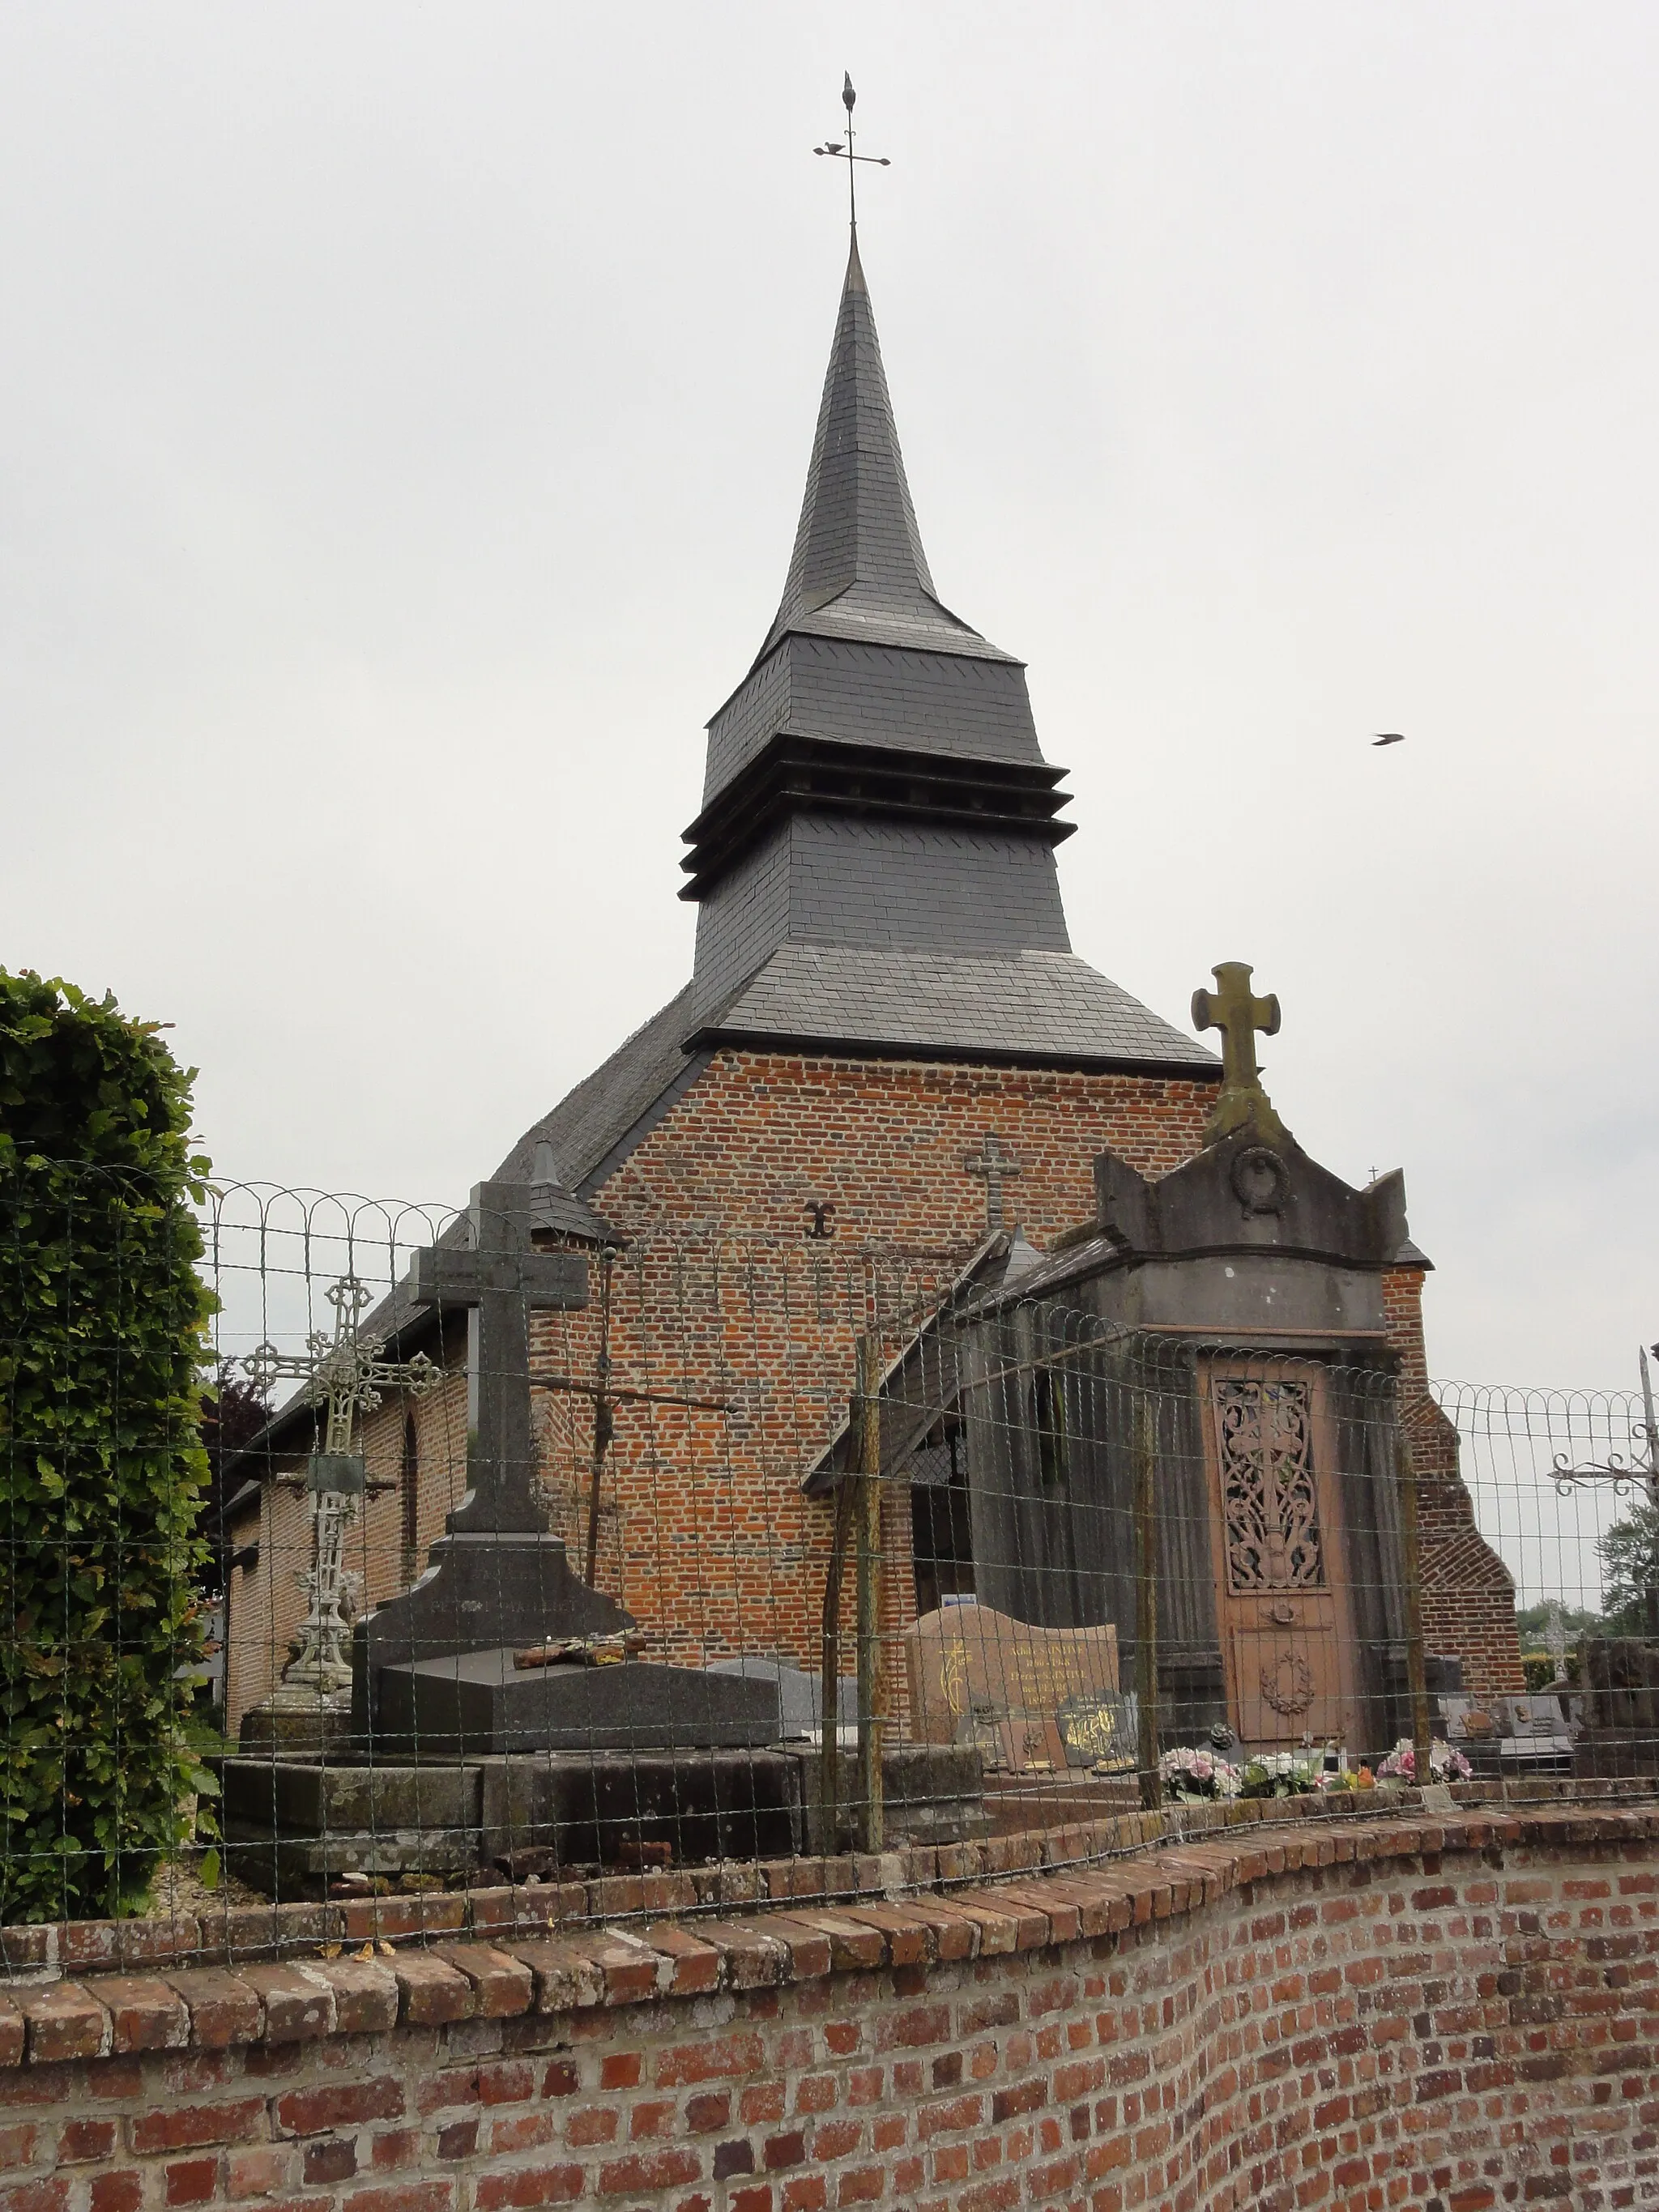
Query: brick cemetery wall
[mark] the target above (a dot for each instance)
(1334, 2013)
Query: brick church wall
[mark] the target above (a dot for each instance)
(704, 1535)
(733, 1557)
(1468, 1594)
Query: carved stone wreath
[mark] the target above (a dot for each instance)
(1294, 1696)
(1260, 1180)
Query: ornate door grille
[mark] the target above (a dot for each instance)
(1269, 1491)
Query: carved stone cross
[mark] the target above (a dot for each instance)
(497, 1577)
(1234, 1010)
(499, 1283)
(995, 1167)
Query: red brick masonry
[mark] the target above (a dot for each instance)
(1456, 2011)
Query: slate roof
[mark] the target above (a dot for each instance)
(1031, 1008)
(858, 570)
(1048, 1008)
(622, 1097)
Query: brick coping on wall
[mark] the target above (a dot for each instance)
(439, 1979)
(236, 1935)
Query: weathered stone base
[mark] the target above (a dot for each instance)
(291, 1825)
(294, 1722)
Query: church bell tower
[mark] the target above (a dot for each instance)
(874, 860)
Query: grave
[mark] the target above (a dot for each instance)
(932, 1792)
(800, 1695)
(1244, 1298)
(440, 1687)
(435, 1672)
(1029, 1700)
(309, 1712)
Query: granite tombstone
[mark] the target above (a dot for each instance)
(434, 1671)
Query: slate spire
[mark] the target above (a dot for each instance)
(858, 569)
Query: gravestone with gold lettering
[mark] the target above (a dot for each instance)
(1030, 1700)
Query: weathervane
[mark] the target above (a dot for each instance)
(844, 152)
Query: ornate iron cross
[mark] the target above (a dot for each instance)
(1234, 1010)
(345, 1372)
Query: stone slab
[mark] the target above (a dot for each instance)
(297, 1798)
(473, 1702)
(289, 1828)
(932, 1793)
(800, 1695)
(484, 1590)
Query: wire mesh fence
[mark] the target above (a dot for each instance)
(469, 1549)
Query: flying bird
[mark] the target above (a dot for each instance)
(1390, 738)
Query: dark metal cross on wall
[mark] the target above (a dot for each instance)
(995, 1167)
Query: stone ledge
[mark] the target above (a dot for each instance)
(305, 1999)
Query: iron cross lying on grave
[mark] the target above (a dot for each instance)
(499, 1284)
(346, 1373)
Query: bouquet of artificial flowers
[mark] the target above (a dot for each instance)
(1280, 1775)
(1445, 1763)
(1196, 1774)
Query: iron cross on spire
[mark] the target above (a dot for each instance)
(1234, 1010)
(345, 1372)
(843, 151)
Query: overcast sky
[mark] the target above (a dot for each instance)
(404, 412)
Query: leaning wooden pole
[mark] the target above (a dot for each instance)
(1417, 1672)
(872, 1681)
(1145, 1510)
(603, 1419)
(829, 1662)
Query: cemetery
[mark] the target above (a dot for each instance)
(893, 1610)
(1129, 1631)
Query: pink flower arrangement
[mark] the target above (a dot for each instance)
(1445, 1765)
(1188, 1773)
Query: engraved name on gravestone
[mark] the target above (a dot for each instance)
(1029, 1698)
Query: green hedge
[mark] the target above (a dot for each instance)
(102, 1350)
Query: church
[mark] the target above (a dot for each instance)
(888, 1068)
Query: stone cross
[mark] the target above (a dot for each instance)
(1234, 1010)
(345, 1372)
(995, 1167)
(498, 1283)
(1555, 1639)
